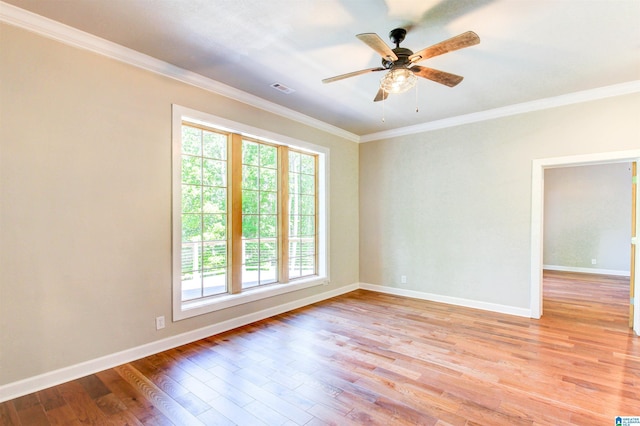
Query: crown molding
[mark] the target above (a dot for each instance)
(71, 36)
(540, 104)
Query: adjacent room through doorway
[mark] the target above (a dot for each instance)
(587, 226)
(584, 230)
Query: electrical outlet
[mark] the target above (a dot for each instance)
(403, 279)
(159, 322)
(593, 261)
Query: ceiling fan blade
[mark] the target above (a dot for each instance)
(454, 43)
(381, 95)
(374, 41)
(438, 76)
(351, 74)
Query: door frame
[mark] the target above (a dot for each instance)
(537, 216)
(634, 239)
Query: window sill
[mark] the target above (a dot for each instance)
(224, 301)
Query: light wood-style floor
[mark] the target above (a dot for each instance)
(368, 358)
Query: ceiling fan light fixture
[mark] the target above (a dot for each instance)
(398, 80)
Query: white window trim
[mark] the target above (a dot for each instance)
(188, 309)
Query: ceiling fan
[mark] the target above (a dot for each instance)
(401, 62)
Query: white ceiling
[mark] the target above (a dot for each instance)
(529, 49)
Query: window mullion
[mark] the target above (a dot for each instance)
(235, 215)
(283, 212)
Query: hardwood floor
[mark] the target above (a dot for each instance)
(368, 358)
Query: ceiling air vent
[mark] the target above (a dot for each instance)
(282, 88)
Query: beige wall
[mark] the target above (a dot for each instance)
(587, 215)
(85, 204)
(451, 209)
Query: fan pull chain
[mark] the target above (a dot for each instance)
(416, 98)
(383, 101)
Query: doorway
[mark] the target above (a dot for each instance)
(537, 206)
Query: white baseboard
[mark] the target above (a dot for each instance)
(56, 377)
(467, 303)
(587, 270)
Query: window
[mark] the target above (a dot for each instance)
(248, 214)
(302, 214)
(203, 213)
(259, 214)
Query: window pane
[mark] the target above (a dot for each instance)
(250, 177)
(294, 205)
(214, 255)
(251, 252)
(294, 247)
(214, 145)
(294, 162)
(294, 267)
(191, 140)
(190, 259)
(268, 272)
(307, 184)
(302, 247)
(308, 265)
(250, 202)
(294, 183)
(191, 227)
(215, 227)
(268, 250)
(250, 226)
(191, 287)
(191, 170)
(268, 180)
(255, 274)
(214, 172)
(307, 225)
(214, 200)
(250, 275)
(191, 271)
(191, 199)
(294, 226)
(214, 281)
(250, 153)
(268, 226)
(268, 156)
(307, 164)
(307, 204)
(301, 226)
(308, 247)
(268, 202)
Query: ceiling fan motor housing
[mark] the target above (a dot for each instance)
(403, 58)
